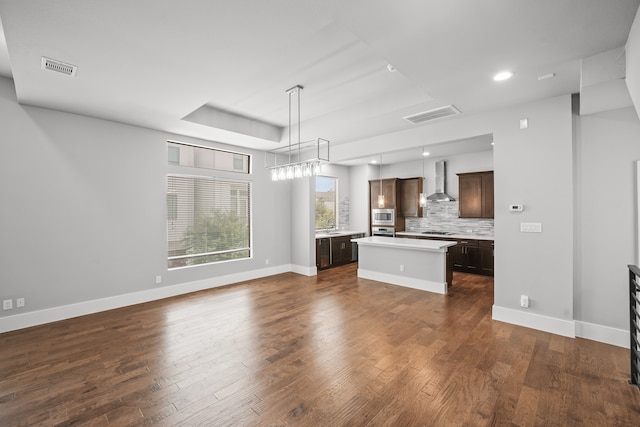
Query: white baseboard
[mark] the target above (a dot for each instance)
(562, 327)
(54, 314)
(605, 334)
(408, 282)
(305, 271)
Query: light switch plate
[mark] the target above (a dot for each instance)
(531, 227)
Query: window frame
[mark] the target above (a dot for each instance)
(217, 176)
(335, 203)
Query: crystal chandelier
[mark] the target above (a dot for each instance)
(298, 159)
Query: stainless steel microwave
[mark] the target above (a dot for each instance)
(383, 217)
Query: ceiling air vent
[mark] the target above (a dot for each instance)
(436, 113)
(61, 67)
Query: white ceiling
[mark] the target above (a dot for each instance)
(151, 63)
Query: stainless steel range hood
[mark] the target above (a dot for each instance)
(441, 179)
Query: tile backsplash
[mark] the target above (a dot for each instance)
(343, 213)
(443, 216)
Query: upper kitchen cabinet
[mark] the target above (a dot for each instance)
(410, 190)
(476, 194)
(389, 187)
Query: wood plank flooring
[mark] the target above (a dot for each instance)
(331, 350)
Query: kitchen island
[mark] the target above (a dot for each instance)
(419, 264)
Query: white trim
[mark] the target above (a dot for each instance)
(305, 271)
(605, 334)
(554, 325)
(408, 282)
(637, 242)
(54, 314)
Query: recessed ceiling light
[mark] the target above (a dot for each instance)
(547, 76)
(503, 75)
(391, 68)
(374, 161)
(426, 153)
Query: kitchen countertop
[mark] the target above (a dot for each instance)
(337, 233)
(415, 244)
(448, 236)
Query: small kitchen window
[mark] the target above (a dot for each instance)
(326, 202)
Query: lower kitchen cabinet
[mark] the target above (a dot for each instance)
(466, 256)
(470, 255)
(340, 250)
(473, 256)
(323, 253)
(334, 251)
(486, 257)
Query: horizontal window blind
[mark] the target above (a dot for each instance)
(208, 220)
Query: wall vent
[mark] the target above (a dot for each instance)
(436, 113)
(60, 67)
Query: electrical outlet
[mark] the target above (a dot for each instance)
(19, 302)
(531, 227)
(524, 301)
(158, 280)
(401, 267)
(7, 304)
(266, 261)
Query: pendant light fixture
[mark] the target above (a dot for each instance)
(303, 158)
(380, 196)
(423, 195)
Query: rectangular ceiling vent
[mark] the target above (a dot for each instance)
(60, 67)
(436, 113)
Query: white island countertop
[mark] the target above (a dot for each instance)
(445, 236)
(413, 244)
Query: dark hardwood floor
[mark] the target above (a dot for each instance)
(328, 350)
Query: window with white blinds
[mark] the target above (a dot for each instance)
(208, 218)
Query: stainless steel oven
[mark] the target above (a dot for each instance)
(383, 231)
(383, 217)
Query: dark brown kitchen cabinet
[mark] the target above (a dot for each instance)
(475, 190)
(470, 255)
(323, 253)
(466, 256)
(410, 190)
(334, 251)
(486, 253)
(389, 188)
(340, 250)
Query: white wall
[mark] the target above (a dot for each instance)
(607, 150)
(83, 212)
(302, 225)
(534, 167)
(359, 198)
(632, 50)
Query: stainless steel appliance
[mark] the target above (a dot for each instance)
(383, 217)
(441, 181)
(383, 231)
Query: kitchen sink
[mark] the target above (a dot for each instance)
(440, 233)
